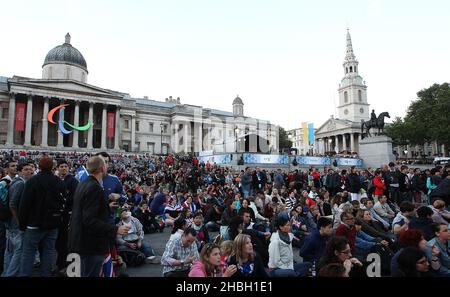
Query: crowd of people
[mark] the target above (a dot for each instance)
(223, 222)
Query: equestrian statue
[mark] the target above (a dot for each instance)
(374, 122)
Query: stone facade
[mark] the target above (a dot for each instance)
(141, 124)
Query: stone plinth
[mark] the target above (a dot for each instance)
(376, 151)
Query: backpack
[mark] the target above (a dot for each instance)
(5, 212)
(132, 258)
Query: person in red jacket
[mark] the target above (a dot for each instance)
(379, 185)
(316, 178)
(347, 229)
(169, 160)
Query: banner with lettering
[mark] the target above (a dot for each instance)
(265, 159)
(349, 162)
(111, 124)
(304, 160)
(20, 117)
(216, 159)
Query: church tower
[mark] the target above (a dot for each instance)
(353, 103)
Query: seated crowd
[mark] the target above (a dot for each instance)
(227, 223)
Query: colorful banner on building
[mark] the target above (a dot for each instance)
(20, 117)
(325, 161)
(216, 159)
(111, 123)
(311, 135)
(305, 133)
(349, 162)
(265, 159)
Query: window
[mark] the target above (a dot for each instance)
(351, 69)
(151, 147)
(127, 124)
(345, 97)
(137, 125)
(361, 110)
(164, 128)
(5, 112)
(359, 95)
(346, 70)
(346, 112)
(138, 146)
(150, 127)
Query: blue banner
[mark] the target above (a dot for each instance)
(312, 137)
(218, 159)
(305, 160)
(81, 174)
(265, 159)
(349, 162)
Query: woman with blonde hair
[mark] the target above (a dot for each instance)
(247, 261)
(209, 264)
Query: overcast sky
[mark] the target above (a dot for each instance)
(283, 58)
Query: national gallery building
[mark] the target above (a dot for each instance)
(61, 111)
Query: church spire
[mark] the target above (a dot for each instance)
(350, 62)
(350, 56)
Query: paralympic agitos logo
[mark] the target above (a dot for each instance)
(61, 122)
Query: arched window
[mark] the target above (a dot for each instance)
(355, 69)
(345, 97)
(351, 69)
(359, 95)
(346, 70)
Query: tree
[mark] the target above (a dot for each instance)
(285, 143)
(427, 119)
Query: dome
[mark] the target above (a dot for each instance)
(238, 100)
(65, 54)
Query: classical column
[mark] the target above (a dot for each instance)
(344, 141)
(177, 140)
(60, 134)
(11, 120)
(104, 128)
(185, 137)
(76, 122)
(117, 129)
(352, 142)
(133, 133)
(44, 141)
(91, 130)
(28, 121)
(200, 138)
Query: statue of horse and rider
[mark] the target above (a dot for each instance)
(374, 122)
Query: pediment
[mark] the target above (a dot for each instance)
(333, 125)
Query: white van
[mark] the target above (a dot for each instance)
(441, 160)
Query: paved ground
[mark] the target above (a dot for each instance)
(158, 242)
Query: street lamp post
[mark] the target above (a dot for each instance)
(329, 144)
(236, 131)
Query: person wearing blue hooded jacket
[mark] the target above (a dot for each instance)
(314, 245)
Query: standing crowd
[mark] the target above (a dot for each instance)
(223, 222)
